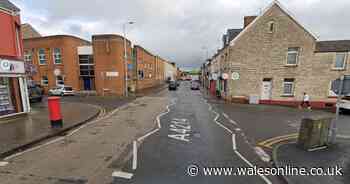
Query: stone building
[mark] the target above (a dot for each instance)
(277, 60)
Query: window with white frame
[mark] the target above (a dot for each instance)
(57, 56)
(44, 81)
(292, 55)
(59, 80)
(42, 57)
(271, 26)
(28, 56)
(288, 87)
(340, 60)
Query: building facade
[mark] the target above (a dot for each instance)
(56, 59)
(275, 59)
(13, 85)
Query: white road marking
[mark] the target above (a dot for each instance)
(158, 122)
(251, 165)
(3, 164)
(225, 115)
(134, 160)
(263, 155)
(234, 147)
(181, 137)
(237, 129)
(234, 142)
(121, 174)
(233, 122)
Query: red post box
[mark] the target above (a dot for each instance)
(55, 112)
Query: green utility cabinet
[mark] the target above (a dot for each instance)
(314, 132)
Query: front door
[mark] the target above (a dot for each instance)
(266, 90)
(87, 83)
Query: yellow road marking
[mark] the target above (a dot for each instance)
(269, 142)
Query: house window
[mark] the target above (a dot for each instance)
(288, 87)
(44, 81)
(28, 56)
(340, 61)
(57, 56)
(59, 80)
(271, 26)
(42, 57)
(292, 56)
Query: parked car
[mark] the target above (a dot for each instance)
(61, 91)
(194, 85)
(172, 85)
(35, 93)
(344, 104)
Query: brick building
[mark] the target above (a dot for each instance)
(96, 66)
(276, 59)
(108, 52)
(150, 68)
(13, 86)
(56, 60)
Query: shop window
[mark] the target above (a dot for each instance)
(340, 61)
(292, 56)
(288, 87)
(57, 56)
(6, 105)
(28, 56)
(59, 81)
(44, 81)
(42, 57)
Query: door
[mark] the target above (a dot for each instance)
(87, 83)
(266, 90)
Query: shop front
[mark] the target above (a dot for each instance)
(13, 88)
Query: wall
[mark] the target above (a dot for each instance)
(8, 46)
(108, 57)
(70, 61)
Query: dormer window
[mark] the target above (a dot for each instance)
(271, 26)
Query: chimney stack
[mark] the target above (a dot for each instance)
(248, 20)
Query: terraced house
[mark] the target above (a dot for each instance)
(276, 59)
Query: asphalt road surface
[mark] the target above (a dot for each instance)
(194, 136)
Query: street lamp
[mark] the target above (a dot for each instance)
(207, 52)
(126, 58)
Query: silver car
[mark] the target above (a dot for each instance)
(61, 91)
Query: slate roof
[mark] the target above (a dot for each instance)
(5, 4)
(29, 32)
(333, 46)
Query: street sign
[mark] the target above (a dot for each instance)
(346, 86)
(235, 76)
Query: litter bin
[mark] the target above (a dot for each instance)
(313, 133)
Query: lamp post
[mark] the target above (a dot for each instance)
(126, 59)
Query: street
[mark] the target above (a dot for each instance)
(194, 132)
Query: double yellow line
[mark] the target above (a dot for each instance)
(268, 143)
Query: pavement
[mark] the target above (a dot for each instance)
(17, 133)
(328, 159)
(88, 155)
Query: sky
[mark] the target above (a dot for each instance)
(180, 31)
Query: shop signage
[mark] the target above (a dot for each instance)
(9, 66)
(214, 76)
(112, 74)
(235, 76)
(225, 76)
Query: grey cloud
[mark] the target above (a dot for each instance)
(177, 29)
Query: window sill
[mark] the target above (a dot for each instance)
(58, 63)
(291, 65)
(287, 95)
(338, 69)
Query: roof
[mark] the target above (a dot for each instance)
(333, 46)
(57, 37)
(29, 32)
(5, 4)
(232, 33)
(279, 5)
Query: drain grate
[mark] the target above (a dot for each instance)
(72, 181)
